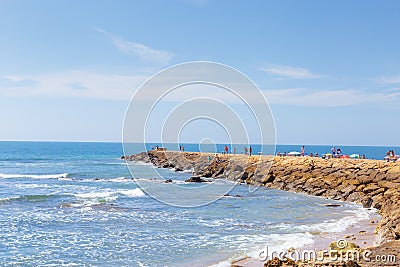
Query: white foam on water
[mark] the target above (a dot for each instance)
(333, 226)
(274, 242)
(132, 193)
(122, 178)
(34, 176)
(282, 242)
(65, 179)
(5, 199)
(118, 180)
(140, 163)
(111, 195)
(94, 195)
(31, 186)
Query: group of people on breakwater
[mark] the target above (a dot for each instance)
(234, 150)
(336, 152)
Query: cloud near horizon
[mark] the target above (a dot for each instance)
(91, 84)
(75, 84)
(137, 49)
(390, 80)
(330, 98)
(290, 72)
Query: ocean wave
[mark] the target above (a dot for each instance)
(274, 242)
(112, 195)
(121, 179)
(94, 195)
(132, 193)
(34, 176)
(304, 236)
(332, 226)
(99, 198)
(30, 198)
(139, 163)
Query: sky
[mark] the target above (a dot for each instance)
(330, 70)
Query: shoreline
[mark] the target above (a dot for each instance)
(361, 233)
(372, 183)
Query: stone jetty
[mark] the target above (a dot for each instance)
(372, 183)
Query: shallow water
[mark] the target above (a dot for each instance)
(75, 204)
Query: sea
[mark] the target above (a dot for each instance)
(78, 204)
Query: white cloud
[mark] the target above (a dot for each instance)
(139, 50)
(99, 85)
(74, 83)
(330, 98)
(290, 72)
(390, 80)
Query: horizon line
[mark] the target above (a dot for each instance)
(192, 143)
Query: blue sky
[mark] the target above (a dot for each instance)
(329, 69)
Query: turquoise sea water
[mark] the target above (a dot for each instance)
(75, 204)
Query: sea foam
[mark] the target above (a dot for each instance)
(34, 176)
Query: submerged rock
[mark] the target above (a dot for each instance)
(332, 205)
(196, 179)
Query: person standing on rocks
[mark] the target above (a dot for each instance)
(245, 150)
(226, 149)
(302, 151)
(250, 150)
(333, 149)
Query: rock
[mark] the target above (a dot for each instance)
(276, 262)
(196, 179)
(343, 246)
(367, 202)
(355, 182)
(319, 192)
(332, 205)
(371, 187)
(355, 197)
(228, 195)
(351, 264)
(389, 185)
(168, 181)
(347, 190)
(393, 174)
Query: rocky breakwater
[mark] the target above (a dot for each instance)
(372, 183)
